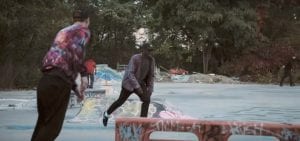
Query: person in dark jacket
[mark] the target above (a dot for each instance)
(138, 79)
(288, 71)
(60, 67)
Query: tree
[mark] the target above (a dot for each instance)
(24, 42)
(201, 25)
(217, 36)
(113, 24)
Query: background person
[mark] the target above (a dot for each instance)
(289, 67)
(90, 65)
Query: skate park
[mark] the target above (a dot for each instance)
(149, 70)
(232, 103)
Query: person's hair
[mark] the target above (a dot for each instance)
(80, 14)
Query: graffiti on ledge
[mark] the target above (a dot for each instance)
(139, 129)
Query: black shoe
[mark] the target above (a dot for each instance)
(104, 119)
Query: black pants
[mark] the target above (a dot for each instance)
(145, 98)
(53, 95)
(90, 80)
(287, 74)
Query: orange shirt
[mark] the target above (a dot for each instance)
(90, 66)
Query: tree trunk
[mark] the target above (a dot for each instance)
(206, 54)
(7, 75)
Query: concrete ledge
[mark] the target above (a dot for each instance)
(140, 129)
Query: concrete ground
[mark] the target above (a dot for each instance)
(237, 102)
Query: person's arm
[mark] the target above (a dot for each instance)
(79, 95)
(84, 38)
(150, 78)
(95, 68)
(132, 66)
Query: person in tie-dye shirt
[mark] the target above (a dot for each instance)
(60, 67)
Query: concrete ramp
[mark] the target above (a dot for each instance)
(93, 107)
(104, 72)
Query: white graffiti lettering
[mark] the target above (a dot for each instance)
(130, 132)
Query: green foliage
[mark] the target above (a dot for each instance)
(236, 38)
(112, 25)
(27, 29)
(199, 24)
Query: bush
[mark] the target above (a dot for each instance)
(261, 65)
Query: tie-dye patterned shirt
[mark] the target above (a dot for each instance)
(68, 51)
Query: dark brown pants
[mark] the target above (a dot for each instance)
(287, 74)
(53, 95)
(90, 80)
(145, 98)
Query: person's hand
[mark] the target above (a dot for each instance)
(139, 91)
(149, 92)
(80, 96)
(83, 85)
